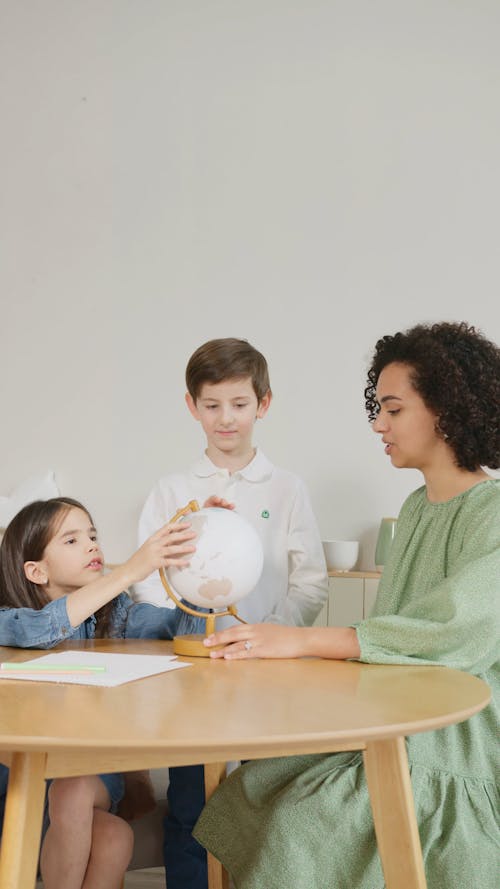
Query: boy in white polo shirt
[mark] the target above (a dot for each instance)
(228, 389)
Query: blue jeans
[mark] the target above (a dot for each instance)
(185, 860)
(4, 777)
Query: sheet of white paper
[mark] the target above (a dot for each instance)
(120, 668)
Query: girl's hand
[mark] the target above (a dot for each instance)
(258, 640)
(168, 546)
(218, 501)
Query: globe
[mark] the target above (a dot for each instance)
(227, 563)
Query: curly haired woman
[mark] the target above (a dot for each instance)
(433, 395)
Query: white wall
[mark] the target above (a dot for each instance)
(307, 175)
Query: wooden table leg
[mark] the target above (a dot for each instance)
(215, 772)
(386, 767)
(22, 826)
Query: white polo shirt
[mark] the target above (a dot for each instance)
(294, 584)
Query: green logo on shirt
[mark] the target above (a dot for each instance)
(265, 514)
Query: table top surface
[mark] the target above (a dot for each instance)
(216, 710)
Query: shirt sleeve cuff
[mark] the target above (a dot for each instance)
(59, 620)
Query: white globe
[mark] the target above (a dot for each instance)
(227, 563)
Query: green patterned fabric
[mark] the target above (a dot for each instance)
(305, 822)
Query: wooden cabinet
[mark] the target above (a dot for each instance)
(351, 597)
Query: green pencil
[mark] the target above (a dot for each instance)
(34, 667)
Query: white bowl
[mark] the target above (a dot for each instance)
(341, 555)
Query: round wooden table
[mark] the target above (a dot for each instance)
(217, 711)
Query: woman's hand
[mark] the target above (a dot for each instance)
(277, 641)
(219, 502)
(168, 546)
(258, 640)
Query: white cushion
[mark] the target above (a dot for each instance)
(37, 487)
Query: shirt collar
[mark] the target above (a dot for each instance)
(258, 470)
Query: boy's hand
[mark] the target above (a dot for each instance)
(219, 502)
(257, 640)
(166, 547)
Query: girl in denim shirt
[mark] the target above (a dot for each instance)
(52, 588)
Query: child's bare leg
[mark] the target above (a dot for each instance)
(67, 846)
(112, 846)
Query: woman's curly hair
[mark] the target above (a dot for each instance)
(456, 372)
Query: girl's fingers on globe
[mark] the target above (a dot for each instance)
(179, 530)
(176, 554)
(180, 533)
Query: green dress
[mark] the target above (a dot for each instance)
(304, 822)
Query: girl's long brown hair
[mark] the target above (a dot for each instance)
(25, 540)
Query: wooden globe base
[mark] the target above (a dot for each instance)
(191, 645)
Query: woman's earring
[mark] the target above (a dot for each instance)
(439, 431)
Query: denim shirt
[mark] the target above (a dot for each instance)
(46, 627)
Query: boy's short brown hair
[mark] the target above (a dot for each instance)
(227, 359)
